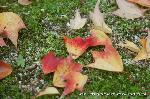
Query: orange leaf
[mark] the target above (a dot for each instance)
(145, 3)
(142, 54)
(5, 69)
(68, 75)
(24, 2)
(10, 24)
(74, 80)
(77, 46)
(108, 60)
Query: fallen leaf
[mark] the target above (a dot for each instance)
(49, 63)
(5, 69)
(24, 2)
(145, 3)
(77, 22)
(48, 91)
(68, 75)
(77, 46)
(10, 24)
(142, 54)
(98, 38)
(109, 60)
(128, 10)
(64, 67)
(148, 42)
(129, 45)
(2, 43)
(74, 80)
(98, 19)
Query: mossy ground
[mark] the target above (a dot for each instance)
(46, 25)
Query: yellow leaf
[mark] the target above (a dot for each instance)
(143, 54)
(148, 42)
(129, 45)
(109, 60)
(48, 91)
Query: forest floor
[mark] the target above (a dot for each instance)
(46, 25)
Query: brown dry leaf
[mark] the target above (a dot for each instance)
(10, 24)
(77, 22)
(48, 91)
(24, 2)
(145, 3)
(98, 19)
(5, 69)
(129, 45)
(128, 10)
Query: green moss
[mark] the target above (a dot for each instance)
(46, 25)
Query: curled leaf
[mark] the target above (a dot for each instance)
(142, 54)
(98, 19)
(5, 69)
(2, 43)
(77, 22)
(109, 60)
(48, 91)
(24, 2)
(129, 45)
(145, 3)
(128, 10)
(10, 24)
(49, 63)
